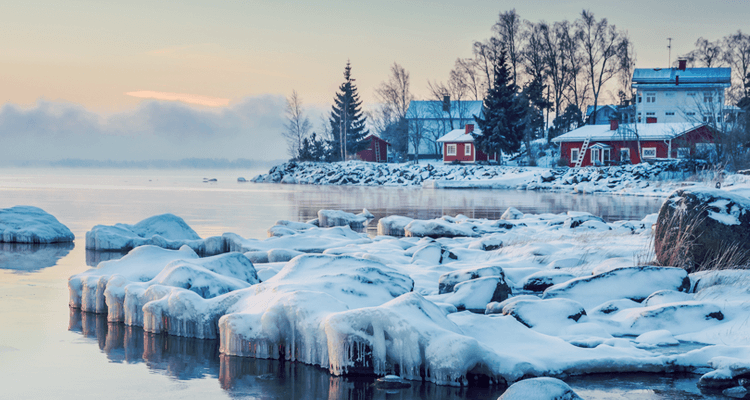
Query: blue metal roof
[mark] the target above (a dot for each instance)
(689, 76)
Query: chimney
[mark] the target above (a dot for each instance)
(614, 124)
(469, 128)
(681, 64)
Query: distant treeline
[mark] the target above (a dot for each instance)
(193, 163)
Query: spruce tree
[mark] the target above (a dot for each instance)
(502, 122)
(347, 120)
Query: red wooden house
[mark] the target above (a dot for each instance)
(458, 146)
(376, 151)
(601, 145)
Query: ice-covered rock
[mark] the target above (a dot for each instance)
(634, 283)
(697, 225)
(511, 213)
(677, 318)
(546, 316)
(540, 389)
(27, 224)
(166, 230)
(539, 281)
(475, 294)
(140, 265)
(438, 228)
(393, 225)
(660, 337)
(331, 218)
(447, 282)
(313, 240)
(579, 219)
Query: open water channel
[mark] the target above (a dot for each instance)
(50, 351)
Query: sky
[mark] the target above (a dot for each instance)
(118, 80)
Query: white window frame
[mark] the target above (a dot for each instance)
(626, 150)
(691, 94)
(650, 114)
(651, 98)
(683, 152)
(467, 149)
(708, 97)
(608, 154)
(574, 155)
(669, 113)
(648, 150)
(450, 149)
(595, 154)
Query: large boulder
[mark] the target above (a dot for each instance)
(539, 389)
(701, 228)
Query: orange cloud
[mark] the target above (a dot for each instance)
(207, 101)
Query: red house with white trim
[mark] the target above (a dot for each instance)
(601, 145)
(376, 151)
(458, 146)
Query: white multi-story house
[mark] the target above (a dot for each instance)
(681, 94)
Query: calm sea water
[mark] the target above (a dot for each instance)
(49, 351)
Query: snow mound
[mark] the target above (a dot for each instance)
(27, 224)
(393, 225)
(167, 230)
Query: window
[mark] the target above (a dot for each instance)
(649, 152)
(683, 152)
(691, 93)
(595, 156)
(625, 155)
(708, 97)
(669, 94)
(640, 98)
(690, 114)
(450, 150)
(650, 97)
(574, 155)
(650, 114)
(669, 113)
(605, 156)
(467, 149)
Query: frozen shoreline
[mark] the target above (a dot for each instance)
(657, 179)
(385, 305)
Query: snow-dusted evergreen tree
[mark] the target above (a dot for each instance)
(347, 120)
(502, 122)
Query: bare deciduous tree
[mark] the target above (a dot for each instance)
(603, 46)
(297, 126)
(554, 43)
(394, 96)
(737, 56)
(706, 54)
(509, 30)
(487, 54)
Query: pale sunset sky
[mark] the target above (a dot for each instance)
(234, 61)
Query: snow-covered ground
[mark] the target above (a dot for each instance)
(657, 179)
(456, 298)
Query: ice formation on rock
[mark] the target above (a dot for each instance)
(27, 224)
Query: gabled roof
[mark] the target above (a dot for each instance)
(370, 136)
(590, 109)
(459, 136)
(657, 131)
(651, 78)
(433, 109)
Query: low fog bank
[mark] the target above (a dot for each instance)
(153, 134)
(185, 163)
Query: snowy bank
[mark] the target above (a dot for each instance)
(495, 300)
(27, 224)
(627, 179)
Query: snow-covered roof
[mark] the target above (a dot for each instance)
(590, 109)
(433, 109)
(690, 77)
(459, 135)
(657, 131)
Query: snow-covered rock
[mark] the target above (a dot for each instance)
(475, 294)
(511, 213)
(438, 228)
(447, 282)
(539, 389)
(393, 225)
(27, 224)
(697, 225)
(331, 218)
(166, 230)
(634, 283)
(546, 316)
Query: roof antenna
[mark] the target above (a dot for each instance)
(669, 46)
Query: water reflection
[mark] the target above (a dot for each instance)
(240, 377)
(640, 385)
(26, 257)
(93, 257)
(428, 204)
